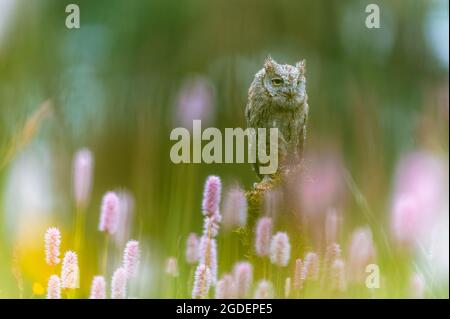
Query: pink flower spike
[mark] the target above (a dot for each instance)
(211, 196)
(131, 258)
(280, 249)
(69, 272)
(172, 267)
(311, 266)
(82, 176)
(417, 286)
(361, 253)
(119, 284)
(299, 274)
(98, 288)
(52, 246)
(337, 275)
(235, 209)
(263, 236)
(243, 277)
(202, 282)
(226, 288)
(264, 290)
(109, 213)
(208, 256)
(54, 288)
(192, 249)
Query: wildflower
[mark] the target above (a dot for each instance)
(417, 286)
(280, 249)
(235, 208)
(98, 288)
(119, 284)
(54, 288)
(337, 275)
(264, 290)
(226, 288)
(172, 267)
(361, 253)
(82, 176)
(131, 256)
(331, 226)
(208, 256)
(332, 253)
(192, 249)
(195, 101)
(211, 196)
(109, 213)
(311, 266)
(52, 246)
(69, 271)
(299, 274)
(263, 236)
(202, 282)
(243, 277)
(125, 219)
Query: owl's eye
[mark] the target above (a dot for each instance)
(277, 81)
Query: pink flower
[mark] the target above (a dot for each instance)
(195, 101)
(235, 208)
(211, 196)
(417, 286)
(361, 253)
(323, 186)
(98, 288)
(311, 266)
(69, 271)
(337, 275)
(226, 288)
(264, 290)
(54, 288)
(331, 226)
(131, 256)
(263, 236)
(299, 274)
(419, 196)
(172, 267)
(243, 277)
(333, 252)
(119, 284)
(211, 225)
(125, 219)
(192, 249)
(82, 176)
(52, 246)
(110, 213)
(208, 256)
(280, 249)
(202, 282)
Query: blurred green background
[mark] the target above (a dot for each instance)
(117, 86)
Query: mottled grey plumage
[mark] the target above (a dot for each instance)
(277, 98)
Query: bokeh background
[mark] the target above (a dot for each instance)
(137, 69)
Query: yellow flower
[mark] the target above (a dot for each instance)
(38, 289)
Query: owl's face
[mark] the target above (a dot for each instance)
(285, 84)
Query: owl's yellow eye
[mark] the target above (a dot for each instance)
(277, 81)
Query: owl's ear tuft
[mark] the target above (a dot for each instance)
(301, 65)
(269, 64)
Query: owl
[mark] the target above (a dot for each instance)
(277, 99)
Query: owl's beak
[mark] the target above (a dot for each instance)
(291, 93)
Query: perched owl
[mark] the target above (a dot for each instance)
(277, 98)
